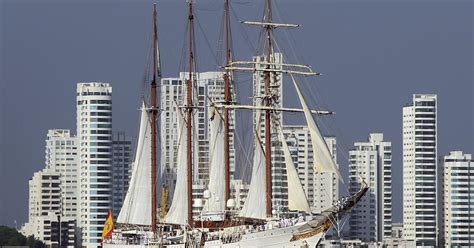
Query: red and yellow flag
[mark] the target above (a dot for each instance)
(108, 226)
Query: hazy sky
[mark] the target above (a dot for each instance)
(374, 55)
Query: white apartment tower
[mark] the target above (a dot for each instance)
(322, 189)
(209, 86)
(44, 194)
(172, 95)
(53, 192)
(420, 223)
(458, 200)
(61, 156)
(94, 133)
(122, 161)
(44, 207)
(371, 218)
(45, 228)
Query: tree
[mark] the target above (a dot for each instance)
(34, 243)
(11, 237)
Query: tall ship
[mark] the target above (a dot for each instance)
(220, 224)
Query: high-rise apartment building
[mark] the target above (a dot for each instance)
(172, 94)
(371, 218)
(209, 87)
(94, 137)
(322, 189)
(45, 211)
(61, 156)
(44, 193)
(420, 220)
(458, 200)
(53, 192)
(46, 228)
(122, 169)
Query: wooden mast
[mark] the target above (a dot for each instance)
(269, 67)
(189, 113)
(154, 116)
(268, 103)
(227, 101)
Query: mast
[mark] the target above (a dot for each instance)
(154, 114)
(269, 68)
(189, 112)
(268, 102)
(227, 101)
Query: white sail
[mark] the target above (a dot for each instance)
(136, 208)
(296, 197)
(178, 212)
(323, 161)
(254, 206)
(217, 168)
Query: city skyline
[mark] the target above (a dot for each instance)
(26, 167)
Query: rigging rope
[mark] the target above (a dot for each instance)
(216, 60)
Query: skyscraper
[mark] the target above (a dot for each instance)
(209, 87)
(44, 194)
(61, 156)
(458, 201)
(53, 191)
(322, 189)
(420, 223)
(94, 132)
(122, 161)
(45, 210)
(371, 218)
(172, 94)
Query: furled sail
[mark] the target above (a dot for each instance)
(254, 206)
(296, 197)
(178, 212)
(136, 208)
(323, 161)
(217, 169)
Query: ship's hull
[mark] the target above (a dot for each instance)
(279, 237)
(142, 246)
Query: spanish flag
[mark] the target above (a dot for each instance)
(108, 226)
